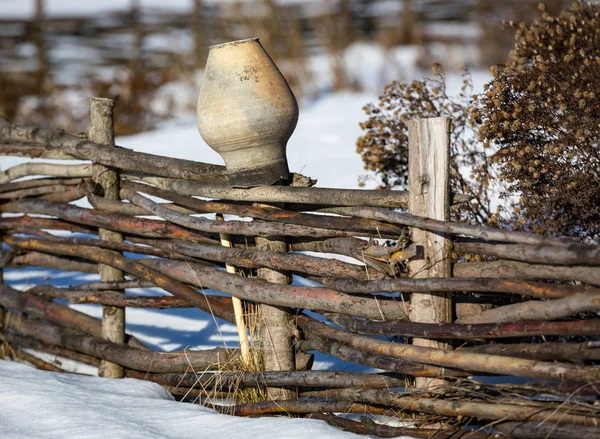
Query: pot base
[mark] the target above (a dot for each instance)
(273, 174)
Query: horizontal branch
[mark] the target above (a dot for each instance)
(230, 227)
(484, 232)
(116, 222)
(137, 359)
(39, 182)
(538, 310)
(31, 343)
(129, 209)
(370, 428)
(33, 151)
(523, 270)
(548, 351)
(547, 430)
(131, 267)
(251, 258)
(287, 407)
(481, 285)
(118, 299)
(268, 213)
(296, 378)
(468, 331)
(475, 409)
(37, 259)
(34, 192)
(320, 299)
(573, 254)
(110, 156)
(394, 365)
(455, 359)
(32, 223)
(285, 194)
(55, 313)
(48, 169)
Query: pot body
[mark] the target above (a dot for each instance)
(247, 112)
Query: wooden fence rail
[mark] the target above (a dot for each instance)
(529, 309)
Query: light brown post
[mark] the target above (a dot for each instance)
(276, 328)
(101, 130)
(428, 186)
(199, 34)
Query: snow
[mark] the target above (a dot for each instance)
(36, 404)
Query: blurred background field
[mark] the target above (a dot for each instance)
(148, 55)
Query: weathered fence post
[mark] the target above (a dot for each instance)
(101, 130)
(199, 34)
(428, 180)
(276, 329)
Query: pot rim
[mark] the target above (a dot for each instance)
(232, 43)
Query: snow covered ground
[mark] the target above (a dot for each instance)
(35, 404)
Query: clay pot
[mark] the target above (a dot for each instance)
(247, 112)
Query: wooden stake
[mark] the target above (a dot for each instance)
(238, 309)
(101, 130)
(428, 178)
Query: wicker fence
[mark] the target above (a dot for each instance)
(528, 311)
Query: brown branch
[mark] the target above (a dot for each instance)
(39, 182)
(283, 194)
(468, 331)
(481, 285)
(377, 361)
(130, 209)
(57, 140)
(455, 359)
(476, 409)
(484, 232)
(573, 254)
(119, 223)
(572, 352)
(371, 428)
(547, 430)
(250, 258)
(137, 359)
(523, 270)
(538, 310)
(130, 267)
(49, 169)
(28, 223)
(269, 213)
(117, 299)
(297, 407)
(231, 227)
(303, 378)
(36, 259)
(34, 151)
(31, 343)
(55, 313)
(322, 299)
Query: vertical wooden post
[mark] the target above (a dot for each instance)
(38, 40)
(276, 329)
(101, 130)
(428, 186)
(199, 35)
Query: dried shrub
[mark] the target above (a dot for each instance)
(384, 146)
(542, 112)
